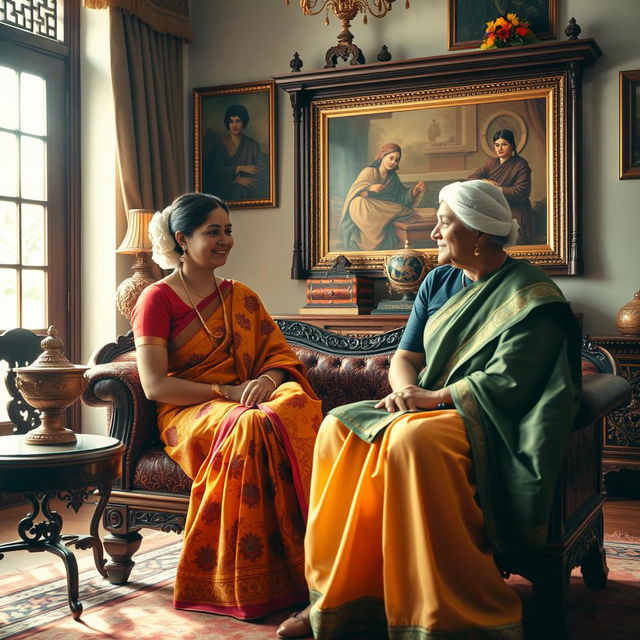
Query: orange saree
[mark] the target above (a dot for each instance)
(251, 468)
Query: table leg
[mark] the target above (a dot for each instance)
(45, 536)
(98, 551)
(75, 499)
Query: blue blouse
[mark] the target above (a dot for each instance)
(440, 284)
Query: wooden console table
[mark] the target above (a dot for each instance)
(68, 471)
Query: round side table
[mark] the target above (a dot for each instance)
(70, 472)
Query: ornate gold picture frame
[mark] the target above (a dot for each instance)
(441, 137)
(234, 143)
(437, 116)
(629, 124)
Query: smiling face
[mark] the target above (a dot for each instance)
(504, 149)
(209, 245)
(456, 242)
(391, 161)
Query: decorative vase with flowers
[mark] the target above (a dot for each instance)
(507, 31)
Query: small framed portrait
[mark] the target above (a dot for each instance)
(468, 18)
(234, 143)
(629, 124)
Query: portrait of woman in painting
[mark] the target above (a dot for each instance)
(239, 167)
(375, 200)
(511, 172)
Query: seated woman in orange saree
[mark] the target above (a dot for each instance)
(236, 412)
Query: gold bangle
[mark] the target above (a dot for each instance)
(268, 377)
(217, 390)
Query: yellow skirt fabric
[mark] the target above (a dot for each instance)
(395, 544)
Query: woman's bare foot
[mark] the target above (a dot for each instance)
(296, 625)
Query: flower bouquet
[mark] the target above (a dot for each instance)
(507, 31)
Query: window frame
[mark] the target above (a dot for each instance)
(63, 296)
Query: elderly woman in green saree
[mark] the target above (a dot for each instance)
(415, 494)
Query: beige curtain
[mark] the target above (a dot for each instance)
(163, 16)
(147, 79)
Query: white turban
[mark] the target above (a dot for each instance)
(481, 206)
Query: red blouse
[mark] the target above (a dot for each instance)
(160, 315)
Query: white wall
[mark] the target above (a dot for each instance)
(99, 226)
(251, 40)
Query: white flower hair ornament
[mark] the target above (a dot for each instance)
(162, 242)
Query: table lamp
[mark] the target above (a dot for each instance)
(136, 241)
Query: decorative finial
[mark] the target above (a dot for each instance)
(295, 63)
(384, 55)
(573, 30)
(52, 352)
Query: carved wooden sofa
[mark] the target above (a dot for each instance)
(153, 491)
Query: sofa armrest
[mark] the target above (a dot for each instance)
(131, 416)
(601, 394)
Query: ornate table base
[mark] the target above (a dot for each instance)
(68, 472)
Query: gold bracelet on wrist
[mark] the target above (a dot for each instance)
(217, 390)
(268, 377)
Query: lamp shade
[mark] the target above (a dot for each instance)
(137, 239)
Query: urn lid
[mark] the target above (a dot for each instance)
(52, 357)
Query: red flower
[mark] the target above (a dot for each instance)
(171, 436)
(236, 466)
(251, 494)
(316, 422)
(251, 303)
(216, 464)
(522, 31)
(243, 321)
(267, 327)
(211, 512)
(248, 364)
(205, 558)
(503, 33)
(251, 546)
(237, 340)
(298, 401)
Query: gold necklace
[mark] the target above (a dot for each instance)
(208, 331)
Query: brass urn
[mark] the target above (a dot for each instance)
(51, 384)
(628, 317)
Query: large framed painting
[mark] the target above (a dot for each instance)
(630, 124)
(376, 144)
(468, 18)
(429, 139)
(234, 143)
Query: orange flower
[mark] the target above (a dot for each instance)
(513, 19)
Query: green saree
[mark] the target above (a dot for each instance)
(508, 348)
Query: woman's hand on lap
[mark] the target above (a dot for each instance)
(409, 398)
(257, 391)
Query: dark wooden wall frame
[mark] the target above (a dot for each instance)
(629, 80)
(561, 57)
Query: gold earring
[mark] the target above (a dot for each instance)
(476, 251)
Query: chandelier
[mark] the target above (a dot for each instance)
(345, 11)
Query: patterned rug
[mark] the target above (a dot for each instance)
(33, 603)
